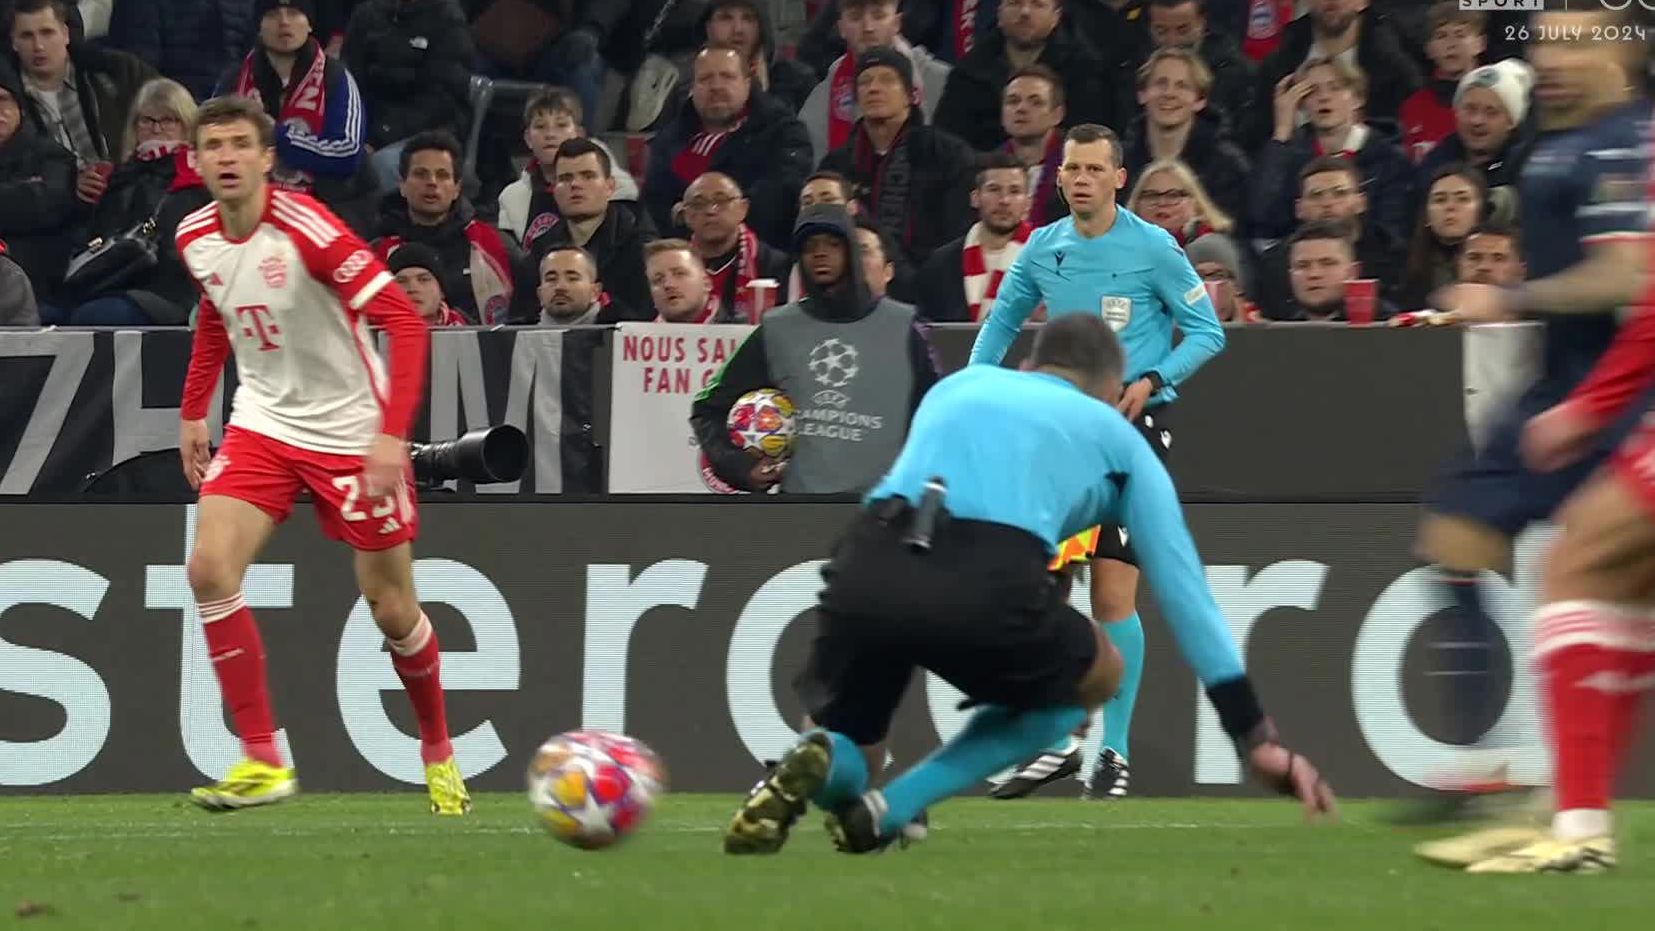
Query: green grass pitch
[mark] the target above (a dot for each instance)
(379, 861)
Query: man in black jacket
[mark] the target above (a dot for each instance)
(37, 194)
(715, 211)
(913, 180)
(958, 283)
(1330, 191)
(1331, 29)
(731, 127)
(76, 95)
(1030, 31)
(855, 366)
(1175, 87)
(1184, 24)
(588, 218)
(413, 61)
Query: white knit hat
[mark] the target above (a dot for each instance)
(1510, 80)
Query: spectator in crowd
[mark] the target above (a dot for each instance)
(570, 291)
(827, 187)
(612, 234)
(482, 270)
(1491, 132)
(1349, 31)
(528, 206)
(731, 128)
(418, 270)
(17, 303)
(414, 60)
(1028, 34)
(190, 41)
(831, 110)
(76, 95)
(314, 101)
(1182, 24)
(1320, 261)
(1218, 261)
(37, 193)
(1492, 254)
(1032, 111)
(1457, 39)
(155, 180)
(947, 28)
(1455, 202)
(1169, 195)
(914, 180)
(548, 42)
(855, 365)
(745, 24)
(715, 210)
(958, 282)
(1330, 93)
(678, 285)
(876, 248)
(1330, 190)
(1178, 124)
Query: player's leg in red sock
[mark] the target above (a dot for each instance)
(229, 533)
(386, 577)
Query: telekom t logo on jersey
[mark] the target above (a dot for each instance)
(257, 322)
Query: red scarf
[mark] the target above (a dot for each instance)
(184, 174)
(1046, 186)
(1196, 230)
(745, 267)
(981, 285)
(304, 101)
(448, 316)
(697, 156)
(965, 27)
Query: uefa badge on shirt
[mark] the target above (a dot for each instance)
(1117, 312)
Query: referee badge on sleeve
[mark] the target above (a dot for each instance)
(1117, 312)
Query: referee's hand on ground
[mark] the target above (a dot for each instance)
(195, 450)
(1289, 773)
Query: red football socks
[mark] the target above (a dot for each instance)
(237, 653)
(418, 661)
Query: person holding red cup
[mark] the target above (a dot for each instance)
(1320, 263)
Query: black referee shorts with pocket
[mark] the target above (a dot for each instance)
(978, 609)
(1113, 542)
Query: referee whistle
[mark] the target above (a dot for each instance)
(925, 516)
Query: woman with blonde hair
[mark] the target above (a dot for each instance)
(1169, 195)
(154, 181)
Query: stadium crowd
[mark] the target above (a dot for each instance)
(1289, 148)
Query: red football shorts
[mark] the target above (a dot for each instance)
(270, 474)
(1634, 462)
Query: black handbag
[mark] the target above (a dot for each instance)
(107, 265)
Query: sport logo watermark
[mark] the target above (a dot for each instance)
(1552, 6)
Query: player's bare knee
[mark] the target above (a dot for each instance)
(1462, 544)
(211, 575)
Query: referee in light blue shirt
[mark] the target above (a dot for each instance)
(946, 570)
(1103, 261)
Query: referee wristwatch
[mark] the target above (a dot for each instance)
(1156, 382)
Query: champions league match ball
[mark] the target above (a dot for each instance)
(761, 422)
(592, 789)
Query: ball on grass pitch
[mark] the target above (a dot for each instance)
(591, 789)
(761, 422)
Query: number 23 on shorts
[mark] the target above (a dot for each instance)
(385, 505)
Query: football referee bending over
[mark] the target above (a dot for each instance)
(946, 569)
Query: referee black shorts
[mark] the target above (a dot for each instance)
(1113, 542)
(978, 609)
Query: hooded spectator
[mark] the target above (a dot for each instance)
(413, 60)
(855, 365)
(831, 110)
(190, 41)
(731, 127)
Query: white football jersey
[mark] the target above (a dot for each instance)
(290, 298)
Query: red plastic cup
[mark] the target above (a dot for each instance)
(1361, 295)
(103, 169)
(764, 296)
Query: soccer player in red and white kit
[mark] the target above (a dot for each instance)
(291, 290)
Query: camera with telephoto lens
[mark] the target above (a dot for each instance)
(481, 457)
